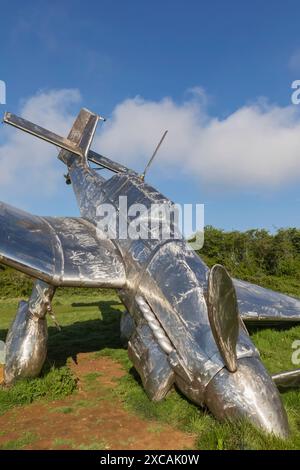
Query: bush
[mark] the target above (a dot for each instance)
(254, 254)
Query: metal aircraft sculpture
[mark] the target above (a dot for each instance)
(184, 322)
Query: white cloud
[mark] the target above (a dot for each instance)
(28, 164)
(257, 145)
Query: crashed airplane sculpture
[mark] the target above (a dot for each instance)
(183, 322)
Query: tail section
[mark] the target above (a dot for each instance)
(81, 135)
(79, 139)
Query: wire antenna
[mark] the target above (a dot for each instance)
(153, 156)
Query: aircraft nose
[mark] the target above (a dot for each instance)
(248, 393)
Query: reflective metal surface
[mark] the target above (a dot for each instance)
(127, 327)
(151, 363)
(287, 379)
(73, 140)
(61, 251)
(26, 342)
(77, 143)
(179, 329)
(42, 133)
(250, 394)
(223, 314)
(260, 305)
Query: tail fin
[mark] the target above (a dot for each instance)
(78, 141)
(81, 134)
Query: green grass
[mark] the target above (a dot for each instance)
(91, 324)
(52, 385)
(81, 324)
(177, 411)
(64, 409)
(101, 445)
(63, 442)
(15, 444)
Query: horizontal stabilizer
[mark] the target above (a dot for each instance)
(42, 133)
(80, 137)
(78, 142)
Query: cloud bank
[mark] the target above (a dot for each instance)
(26, 163)
(256, 146)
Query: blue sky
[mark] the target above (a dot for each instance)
(239, 58)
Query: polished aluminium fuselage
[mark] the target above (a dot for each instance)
(181, 324)
(165, 295)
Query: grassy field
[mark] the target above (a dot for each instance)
(90, 323)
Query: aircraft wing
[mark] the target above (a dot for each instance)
(257, 304)
(63, 251)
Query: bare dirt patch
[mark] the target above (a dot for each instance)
(90, 418)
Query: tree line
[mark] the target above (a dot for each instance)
(269, 259)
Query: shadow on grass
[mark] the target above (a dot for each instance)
(254, 327)
(83, 336)
(100, 333)
(95, 335)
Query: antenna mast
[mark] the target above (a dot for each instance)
(153, 156)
